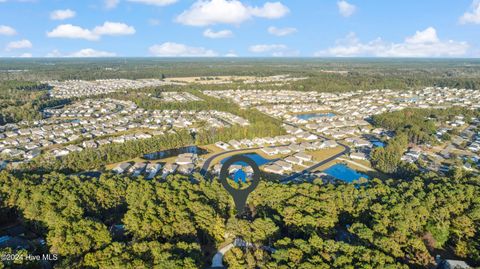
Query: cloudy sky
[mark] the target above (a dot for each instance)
(248, 28)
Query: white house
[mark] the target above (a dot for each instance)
(270, 151)
(303, 157)
(358, 156)
(274, 169)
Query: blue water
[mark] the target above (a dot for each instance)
(259, 160)
(378, 144)
(315, 115)
(344, 173)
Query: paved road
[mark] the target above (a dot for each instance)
(217, 260)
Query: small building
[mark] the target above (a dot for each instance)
(222, 145)
(304, 157)
(169, 168)
(450, 264)
(293, 160)
(152, 169)
(183, 161)
(235, 144)
(186, 169)
(284, 165)
(33, 153)
(283, 150)
(274, 169)
(270, 151)
(329, 144)
(121, 168)
(137, 169)
(358, 156)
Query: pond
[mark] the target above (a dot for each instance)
(344, 173)
(174, 152)
(314, 115)
(378, 144)
(259, 160)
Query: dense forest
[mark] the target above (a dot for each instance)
(352, 74)
(177, 224)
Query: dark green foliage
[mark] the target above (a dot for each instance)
(21, 100)
(177, 224)
(420, 124)
(357, 74)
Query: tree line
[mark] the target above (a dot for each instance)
(179, 224)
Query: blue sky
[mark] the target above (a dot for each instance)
(249, 28)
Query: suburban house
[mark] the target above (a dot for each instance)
(121, 168)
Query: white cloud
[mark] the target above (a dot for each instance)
(423, 44)
(155, 2)
(114, 28)
(77, 32)
(109, 4)
(267, 48)
(91, 53)
(62, 14)
(7, 30)
(25, 55)
(171, 49)
(281, 31)
(346, 9)
(220, 34)
(54, 53)
(277, 50)
(20, 44)
(472, 16)
(428, 35)
(231, 54)
(82, 53)
(270, 10)
(72, 31)
(209, 12)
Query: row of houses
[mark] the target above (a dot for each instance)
(92, 123)
(178, 97)
(79, 88)
(149, 170)
(246, 98)
(300, 147)
(256, 142)
(184, 164)
(286, 164)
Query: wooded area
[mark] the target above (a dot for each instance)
(177, 224)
